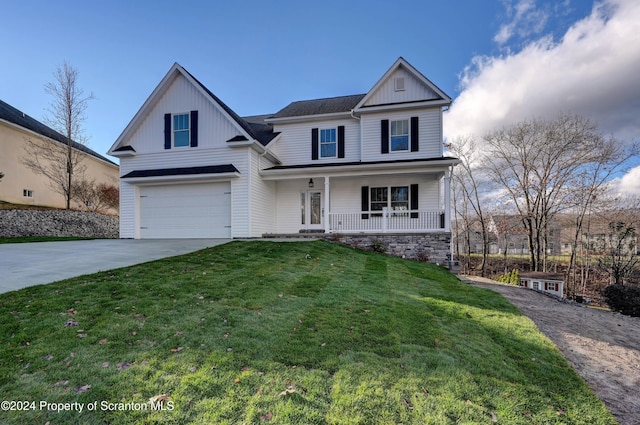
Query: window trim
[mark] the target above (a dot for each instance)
(388, 191)
(406, 123)
(334, 132)
(174, 131)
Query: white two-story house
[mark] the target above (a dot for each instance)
(361, 166)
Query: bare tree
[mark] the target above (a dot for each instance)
(621, 255)
(470, 186)
(62, 162)
(537, 164)
(591, 191)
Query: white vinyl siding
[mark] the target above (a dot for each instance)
(294, 146)
(429, 130)
(414, 90)
(129, 210)
(262, 197)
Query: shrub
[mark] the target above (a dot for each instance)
(422, 256)
(512, 278)
(623, 298)
(378, 246)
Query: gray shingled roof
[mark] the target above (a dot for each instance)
(263, 133)
(14, 116)
(319, 106)
(184, 171)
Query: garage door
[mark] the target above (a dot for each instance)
(200, 210)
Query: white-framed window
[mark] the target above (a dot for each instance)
(399, 83)
(379, 198)
(400, 198)
(399, 135)
(181, 130)
(536, 286)
(328, 143)
(394, 198)
(27, 193)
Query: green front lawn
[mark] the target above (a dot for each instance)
(257, 333)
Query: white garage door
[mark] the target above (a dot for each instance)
(201, 210)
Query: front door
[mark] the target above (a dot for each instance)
(314, 210)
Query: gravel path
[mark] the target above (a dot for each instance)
(603, 347)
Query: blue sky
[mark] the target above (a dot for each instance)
(259, 56)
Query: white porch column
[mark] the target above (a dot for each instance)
(447, 200)
(327, 226)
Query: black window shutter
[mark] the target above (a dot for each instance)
(414, 200)
(341, 141)
(365, 201)
(414, 135)
(167, 131)
(314, 143)
(384, 136)
(194, 129)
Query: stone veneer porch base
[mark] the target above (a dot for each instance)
(431, 247)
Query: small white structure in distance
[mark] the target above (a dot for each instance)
(552, 283)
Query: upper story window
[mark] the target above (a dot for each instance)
(328, 143)
(181, 130)
(399, 135)
(181, 133)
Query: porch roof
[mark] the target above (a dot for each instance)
(400, 166)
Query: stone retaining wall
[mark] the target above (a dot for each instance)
(430, 247)
(15, 223)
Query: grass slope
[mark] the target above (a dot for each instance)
(257, 333)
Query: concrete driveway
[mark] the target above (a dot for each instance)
(27, 264)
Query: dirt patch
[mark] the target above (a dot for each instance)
(603, 347)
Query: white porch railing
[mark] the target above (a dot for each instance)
(405, 221)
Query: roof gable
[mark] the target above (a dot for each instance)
(14, 116)
(403, 84)
(245, 129)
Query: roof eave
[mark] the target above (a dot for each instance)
(405, 105)
(392, 167)
(302, 118)
(181, 178)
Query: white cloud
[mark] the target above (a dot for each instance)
(629, 184)
(525, 21)
(593, 71)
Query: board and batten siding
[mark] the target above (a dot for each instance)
(414, 90)
(429, 130)
(214, 129)
(294, 146)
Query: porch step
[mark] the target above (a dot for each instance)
(301, 235)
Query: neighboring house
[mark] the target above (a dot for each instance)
(511, 236)
(550, 283)
(21, 185)
(362, 165)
